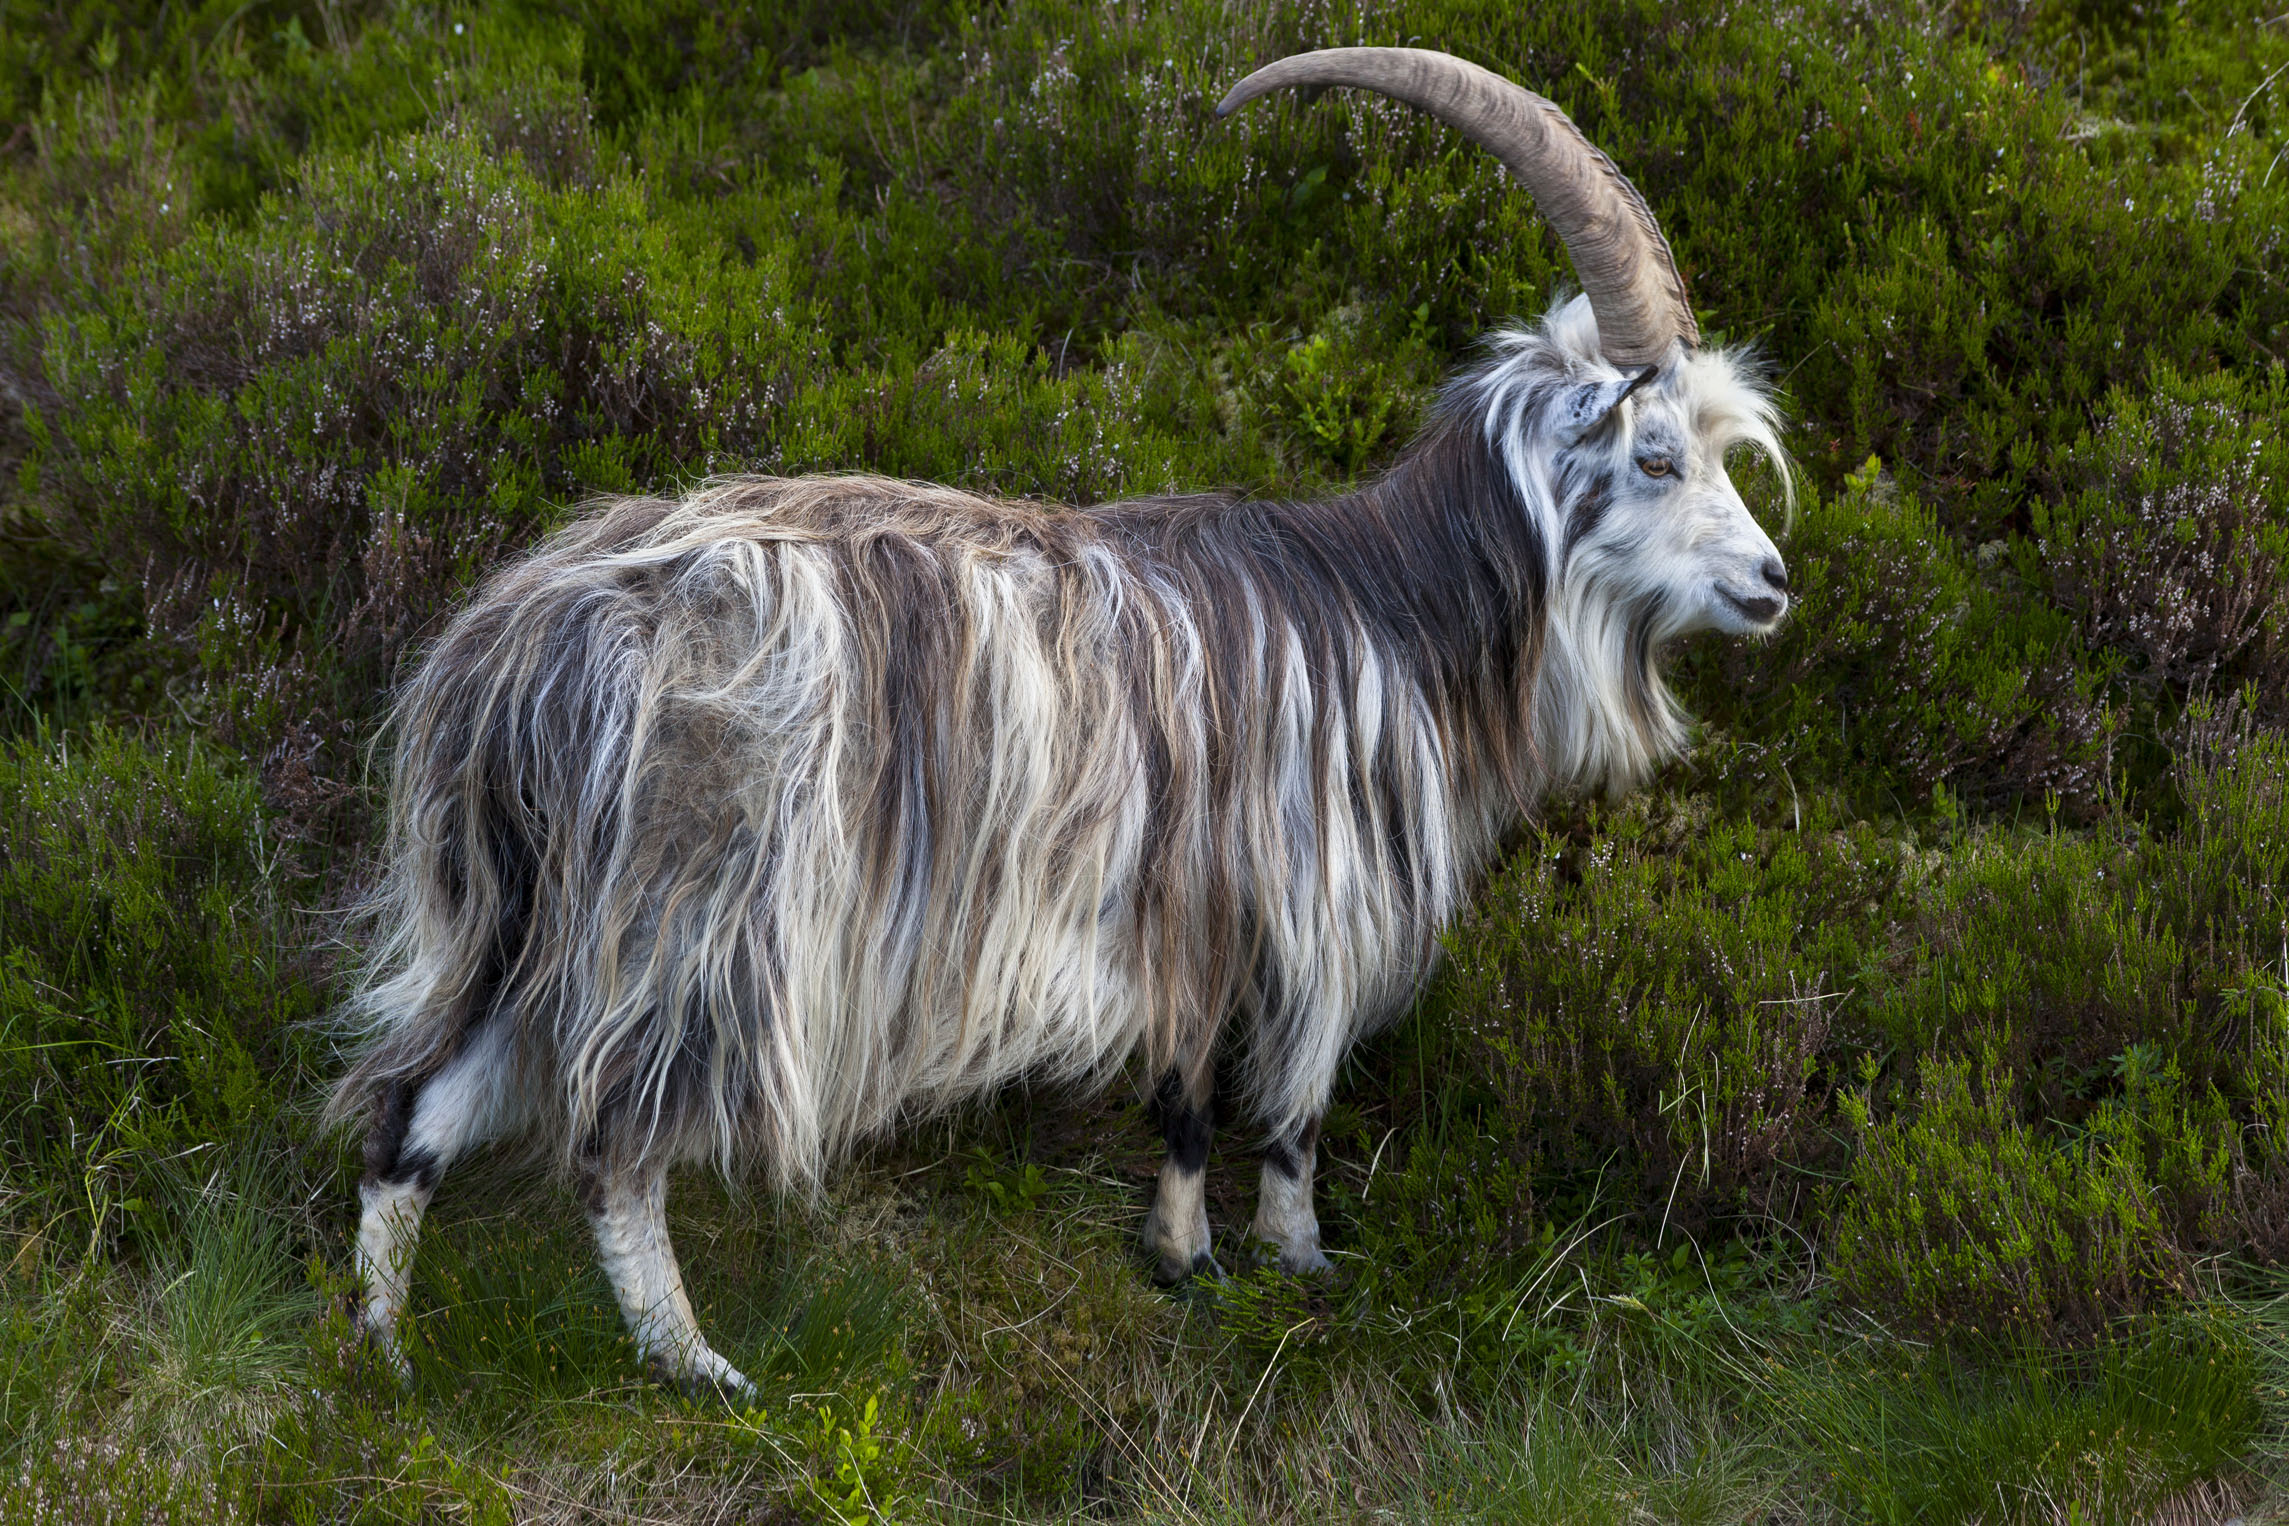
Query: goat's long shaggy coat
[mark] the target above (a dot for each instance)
(759, 818)
(741, 825)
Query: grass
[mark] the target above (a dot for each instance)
(928, 1350)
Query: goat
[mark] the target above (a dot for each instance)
(739, 827)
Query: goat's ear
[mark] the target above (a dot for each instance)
(1583, 410)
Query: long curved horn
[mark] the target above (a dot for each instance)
(1619, 253)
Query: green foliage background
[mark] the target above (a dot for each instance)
(1941, 995)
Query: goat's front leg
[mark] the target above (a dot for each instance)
(629, 1210)
(1176, 1231)
(1284, 1215)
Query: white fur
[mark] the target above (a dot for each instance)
(631, 1224)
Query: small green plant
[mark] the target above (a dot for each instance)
(437, 1476)
(1018, 1190)
(854, 1484)
(1340, 403)
(1960, 1218)
(231, 1332)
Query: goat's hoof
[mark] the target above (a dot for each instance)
(1292, 1260)
(368, 1344)
(730, 1385)
(1171, 1270)
(390, 1358)
(1305, 1261)
(704, 1375)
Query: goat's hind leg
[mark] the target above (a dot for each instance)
(629, 1210)
(420, 1129)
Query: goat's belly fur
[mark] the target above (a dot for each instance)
(763, 818)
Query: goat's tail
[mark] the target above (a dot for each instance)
(443, 931)
(568, 855)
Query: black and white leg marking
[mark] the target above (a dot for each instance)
(419, 1132)
(1284, 1215)
(1176, 1231)
(629, 1211)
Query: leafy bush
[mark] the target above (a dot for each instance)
(332, 419)
(1959, 1216)
(149, 1001)
(2171, 545)
(1659, 1001)
(306, 434)
(2052, 1063)
(1905, 670)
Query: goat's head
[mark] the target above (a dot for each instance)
(1626, 472)
(1614, 421)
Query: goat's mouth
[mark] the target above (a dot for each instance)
(1761, 613)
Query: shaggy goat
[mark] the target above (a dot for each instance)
(741, 826)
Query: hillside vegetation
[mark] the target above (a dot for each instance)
(1884, 1118)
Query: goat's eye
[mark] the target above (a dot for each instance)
(1656, 466)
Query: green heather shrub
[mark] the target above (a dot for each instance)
(1958, 1216)
(2225, 868)
(308, 433)
(1657, 1005)
(149, 1000)
(1449, 1214)
(2085, 1034)
(992, 413)
(1904, 669)
(69, 646)
(2082, 946)
(815, 217)
(2123, 997)
(2170, 544)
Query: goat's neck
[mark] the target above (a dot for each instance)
(1542, 682)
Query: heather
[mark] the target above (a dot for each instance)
(1880, 1118)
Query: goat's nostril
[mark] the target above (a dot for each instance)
(1775, 573)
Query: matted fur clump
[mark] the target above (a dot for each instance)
(740, 826)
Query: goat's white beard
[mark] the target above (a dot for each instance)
(1603, 720)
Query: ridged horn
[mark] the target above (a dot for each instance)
(1618, 251)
